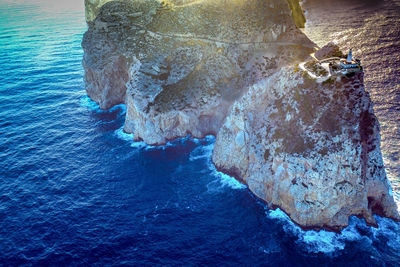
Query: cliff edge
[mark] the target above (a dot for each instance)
(228, 68)
(311, 149)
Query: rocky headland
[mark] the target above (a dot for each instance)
(230, 68)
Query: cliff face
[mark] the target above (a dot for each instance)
(222, 67)
(184, 64)
(311, 149)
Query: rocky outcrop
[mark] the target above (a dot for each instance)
(328, 51)
(184, 64)
(224, 68)
(311, 149)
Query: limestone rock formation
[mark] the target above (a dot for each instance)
(311, 149)
(223, 67)
(328, 51)
(184, 64)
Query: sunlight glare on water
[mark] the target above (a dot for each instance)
(372, 29)
(76, 190)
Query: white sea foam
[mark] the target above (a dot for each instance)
(86, 102)
(322, 241)
(227, 180)
(329, 242)
(139, 145)
(128, 137)
(120, 107)
(388, 229)
(201, 152)
(208, 139)
(312, 241)
(277, 214)
(163, 147)
(204, 152)
(123, 135)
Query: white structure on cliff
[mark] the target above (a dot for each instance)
(349, 63)
(350, 56)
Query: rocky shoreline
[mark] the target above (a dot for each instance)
(229, 68)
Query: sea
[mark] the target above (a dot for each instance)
(372, 29)
(75, 190)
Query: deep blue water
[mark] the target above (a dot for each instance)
(75, 190)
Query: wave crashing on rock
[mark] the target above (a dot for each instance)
(229, 69)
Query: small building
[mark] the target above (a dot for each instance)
(349, 63)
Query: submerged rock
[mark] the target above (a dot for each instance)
(223, 68)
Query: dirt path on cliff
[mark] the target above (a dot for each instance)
(215, 40)
(220, 41)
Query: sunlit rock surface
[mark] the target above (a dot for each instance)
(184, 64)
(311, 149)
(223, 67)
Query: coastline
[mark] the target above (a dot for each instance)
(156, 115)
(383, 94)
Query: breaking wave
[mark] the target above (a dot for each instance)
(76, 190)
(330, 243)
(204, 153)
(91, 105)
(88, 103)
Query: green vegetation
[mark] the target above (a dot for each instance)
(167, 4)
(338, 53)
(297, 12)
(296, 68)
(331, 80)
(316, 68)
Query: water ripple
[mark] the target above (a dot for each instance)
(76, 190)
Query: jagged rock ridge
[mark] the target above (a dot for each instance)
(222, 68)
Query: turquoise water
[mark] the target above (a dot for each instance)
(75, 190)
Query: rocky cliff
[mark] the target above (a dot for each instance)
(226, 68)
(311, 149)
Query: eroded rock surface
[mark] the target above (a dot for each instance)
(328, 51)
(311, 149)
(184, 64)
(223, 67)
